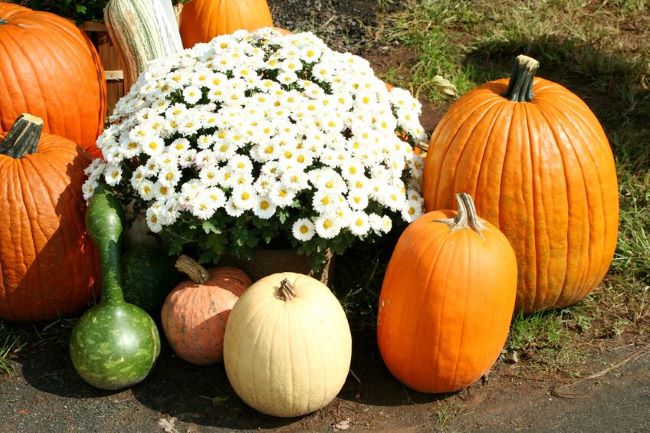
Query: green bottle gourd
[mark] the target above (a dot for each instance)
(115, 344)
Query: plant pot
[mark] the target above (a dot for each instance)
(267, 262)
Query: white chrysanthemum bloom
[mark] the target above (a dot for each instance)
(153, 219)
(264, 208)
(112, 174)
(202, 206)
(244, 196)
(358, 199)
(254, 123)
(153, 145)
(303, 229)
(240, 164)
(359, 223)
(146, 190)
(327, 226)
(325, 201)
(412, 211)
(282, 195)
(232, 209)
(161, 191)
(295, 178)
(88, 188)
(187, 158)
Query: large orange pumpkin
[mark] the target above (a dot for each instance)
(447, 300)
(48, 266)
(195, 313)
(49, 68)
(540, 166)
(203, 20)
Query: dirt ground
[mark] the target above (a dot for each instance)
(44, 394)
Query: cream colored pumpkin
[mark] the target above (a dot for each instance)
(287, 347)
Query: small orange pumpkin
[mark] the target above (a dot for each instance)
(203, 20)
(447, 300)
(194, 314)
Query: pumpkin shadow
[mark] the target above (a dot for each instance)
(45, 362)
(200, 395)
(371, 383)
(613, 86)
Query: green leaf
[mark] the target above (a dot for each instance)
(209, 227)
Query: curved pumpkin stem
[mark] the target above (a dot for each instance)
(287, 291)
(197, 273)
(23, 136)
(466, 217)
(520, 87)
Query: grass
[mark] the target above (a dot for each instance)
(445, 412)
(9, 343)
(599, 50)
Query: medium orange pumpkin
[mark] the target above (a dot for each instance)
(48, 67)
(540, 166)
(195, 313)
(48, 267)
(203, 20)
(447, 300)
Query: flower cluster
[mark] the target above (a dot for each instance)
(257, 135)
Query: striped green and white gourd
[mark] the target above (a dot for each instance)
(142, 30)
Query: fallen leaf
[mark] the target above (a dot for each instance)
(168, 425)
(342, 425)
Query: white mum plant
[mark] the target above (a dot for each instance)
(256, 137)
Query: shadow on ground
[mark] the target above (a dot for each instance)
(614, 87)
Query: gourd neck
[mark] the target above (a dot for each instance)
(112, 292)
(466, 217)
(287, 291)
(197, 273)
(22, 139)
(520, 86)
(104, 225)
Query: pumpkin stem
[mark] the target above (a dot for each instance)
(197, 273)
(23, 136)
(3, 21)
(466, 217)
(287, 291)
(520, 87)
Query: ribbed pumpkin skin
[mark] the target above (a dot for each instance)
(543, 172)
(50, 69)
(48, 266)
(194, 315)
(287, 358)
(445, 304)
(203, 20)
(142, 30)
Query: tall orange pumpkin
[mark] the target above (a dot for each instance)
(49, 68)
(48, 266)
(203, 20)
(447, 300)
(540, 166)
